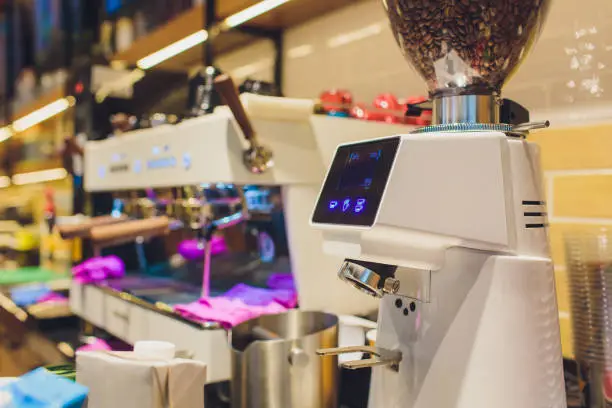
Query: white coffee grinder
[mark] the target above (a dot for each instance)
(447, 224)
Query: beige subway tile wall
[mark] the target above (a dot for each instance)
(567, 78)
(570, 67)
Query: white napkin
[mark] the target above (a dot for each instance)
(123, 379)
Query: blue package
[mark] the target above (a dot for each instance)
(28, 295)
(42, 389)
(338, 114)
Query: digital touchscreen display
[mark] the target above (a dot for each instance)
(355, 183)
(360, 169)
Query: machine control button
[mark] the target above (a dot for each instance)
(412, 306)
(346, 204)
(186, 161)
(406, 311)
(399, 303)
(359, 207)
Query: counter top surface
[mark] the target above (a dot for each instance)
(30, 274)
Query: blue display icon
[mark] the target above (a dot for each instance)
(346, 204)
(333, 204)
(360, 206)
(186, 161)
(367, 183)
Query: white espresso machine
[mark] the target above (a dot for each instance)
(447, 225)
(222, 147)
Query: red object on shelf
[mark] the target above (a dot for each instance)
(386, 107)
(389, 109)
(361, 111)
(387, 101)
(49, 206)
(336, 100)
(424, 119)
(608, 385)
(414, 100)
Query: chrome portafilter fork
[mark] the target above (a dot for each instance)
(378, 357)
(366, 280)
(362, 276)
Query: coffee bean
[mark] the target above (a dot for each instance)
(489, 37)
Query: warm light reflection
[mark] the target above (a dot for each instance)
(300, 51)
(352, 36)
(5, 181)
(124, 82)
(252, 68)
(172, 50)
(5, 133)
(39, 176)
(42, 114)
(252, 12)
(583, 61)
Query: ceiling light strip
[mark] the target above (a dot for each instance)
(5, 181)
(5, 133)
(39, 176)
(42, 114)
(172, 50)
(250, 13)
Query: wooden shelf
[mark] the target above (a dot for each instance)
(297, 12)
(288, 15)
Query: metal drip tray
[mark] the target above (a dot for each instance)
(171, 286)
(172, 298)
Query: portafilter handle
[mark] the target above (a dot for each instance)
(257, 158)
(83, 229)
(226, 88)
(129, 231)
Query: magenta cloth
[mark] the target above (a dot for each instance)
(99, 269)
(228, 312)
(52, 298)
(192, 249)
(261, 296)
(96, 345)
(281, 281)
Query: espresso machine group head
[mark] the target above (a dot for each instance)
(447, 224)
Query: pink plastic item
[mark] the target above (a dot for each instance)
(193, 249)
(281, 281)
(52, 298)
(96, 345)
(261, 296)
(228, 312)
(98, 269)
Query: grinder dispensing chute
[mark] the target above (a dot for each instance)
(465, 50)
(447, 225)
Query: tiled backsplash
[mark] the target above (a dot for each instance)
(570, 67)
(566, 78)
(577, 168)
